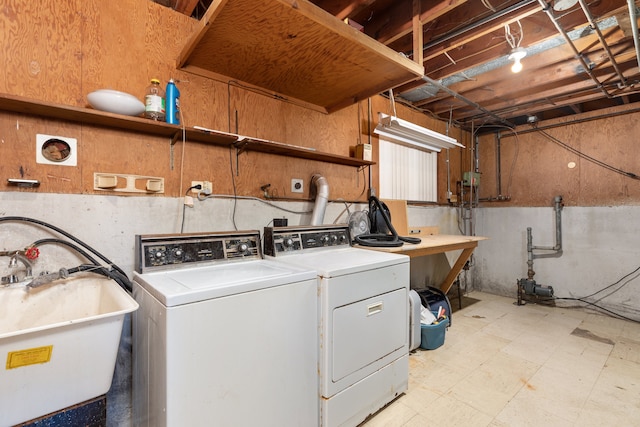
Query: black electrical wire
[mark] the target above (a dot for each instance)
(584, 299)
(589, 158)
(599, 307)
(613, 284)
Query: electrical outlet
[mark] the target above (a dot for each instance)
(297, 185)
(195, 183)
(206, 187)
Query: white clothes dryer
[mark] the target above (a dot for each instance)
(364, 318)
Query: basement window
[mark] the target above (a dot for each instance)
(407, 173)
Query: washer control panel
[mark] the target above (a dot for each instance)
(282, 240)
(170, 251)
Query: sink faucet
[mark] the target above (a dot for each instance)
(13, 263)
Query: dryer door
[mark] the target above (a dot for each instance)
(368, 330)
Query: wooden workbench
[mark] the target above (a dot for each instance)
(436, 244)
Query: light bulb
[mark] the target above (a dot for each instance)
(516, 56)
(517, 66)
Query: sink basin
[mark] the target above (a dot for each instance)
(58, 344)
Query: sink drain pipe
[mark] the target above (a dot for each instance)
(529, 286)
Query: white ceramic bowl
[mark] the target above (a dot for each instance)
(114, 101)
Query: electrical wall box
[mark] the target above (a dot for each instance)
(364, 152)
(471, 179)
(297, 185)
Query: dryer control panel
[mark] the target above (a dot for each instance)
(282, 240)
(172, 251)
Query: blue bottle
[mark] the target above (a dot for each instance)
(172, 96)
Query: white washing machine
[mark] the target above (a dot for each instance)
(364, 318)
(223, 337)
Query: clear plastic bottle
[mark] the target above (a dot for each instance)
(154, 101)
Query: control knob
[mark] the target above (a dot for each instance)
(334, 239)
(243, 247)
(287, 242)
(324, 239)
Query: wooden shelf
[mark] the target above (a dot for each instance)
(272, 147)
(34, 107)
(17, 104)
(293, 50)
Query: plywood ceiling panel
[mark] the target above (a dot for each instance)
(295, 50)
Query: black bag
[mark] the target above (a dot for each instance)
(378, 224)
(433, 298)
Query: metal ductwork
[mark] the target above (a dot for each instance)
(322, 198)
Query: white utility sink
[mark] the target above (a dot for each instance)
(58, 344)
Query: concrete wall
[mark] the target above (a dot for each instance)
(109, 225)
(600, 246)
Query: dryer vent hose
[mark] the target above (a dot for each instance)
(322, 198)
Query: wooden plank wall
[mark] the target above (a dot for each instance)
(60, 51)
(535, 169)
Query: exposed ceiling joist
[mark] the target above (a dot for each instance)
(465, 48)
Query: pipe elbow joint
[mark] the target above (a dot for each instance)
(321, 185)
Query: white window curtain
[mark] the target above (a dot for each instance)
(407, 173)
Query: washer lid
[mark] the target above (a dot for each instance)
(183, 286)
(340, 261)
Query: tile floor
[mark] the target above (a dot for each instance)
(532, 365)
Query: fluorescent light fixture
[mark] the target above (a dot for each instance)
(411, 135)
